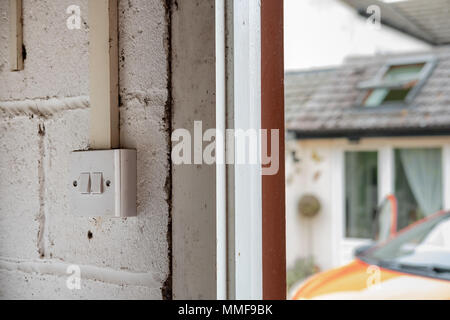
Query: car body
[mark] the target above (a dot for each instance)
(415, 264)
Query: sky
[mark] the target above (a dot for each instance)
(321, 33)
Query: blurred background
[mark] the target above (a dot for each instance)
(367, 94)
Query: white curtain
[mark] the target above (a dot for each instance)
(423, 169)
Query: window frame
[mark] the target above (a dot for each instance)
(378, 200)
(387, 180)
(342, 247)
(429, 62)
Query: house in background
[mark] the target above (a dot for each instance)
(373, 127)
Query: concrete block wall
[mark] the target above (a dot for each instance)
(44, 115)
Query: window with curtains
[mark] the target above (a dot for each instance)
(418, 183)
(361, 193)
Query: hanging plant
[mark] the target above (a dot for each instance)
(309, 206)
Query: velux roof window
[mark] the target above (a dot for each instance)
(397, 83)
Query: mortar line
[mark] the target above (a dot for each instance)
(42, 107)
(57, 268)
(42, 184)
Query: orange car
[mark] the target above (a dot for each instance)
(415, 264)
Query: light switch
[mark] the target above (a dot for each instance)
(97, 183)
(103, 183)
(85, 183)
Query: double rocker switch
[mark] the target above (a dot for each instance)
(91, 183)
(103, 183)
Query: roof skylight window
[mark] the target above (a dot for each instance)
(396, 83)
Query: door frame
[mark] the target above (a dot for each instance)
(228, 222)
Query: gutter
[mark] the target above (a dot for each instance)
(356, 134)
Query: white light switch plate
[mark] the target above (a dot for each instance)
(103, 183)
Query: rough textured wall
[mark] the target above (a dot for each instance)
(44, 115)
(194, 187)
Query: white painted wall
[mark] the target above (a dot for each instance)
(311, 175)
(322, 33)
(44, 115)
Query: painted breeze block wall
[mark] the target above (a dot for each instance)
(44, 115)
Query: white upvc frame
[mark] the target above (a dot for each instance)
(245, 237)
(386, 172)
(340, 241)
(221, 175)
(386, 179)
(338, 203)
(446, 172)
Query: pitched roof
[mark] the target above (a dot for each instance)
(323, 103)
(427, 20)
(300, 88)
